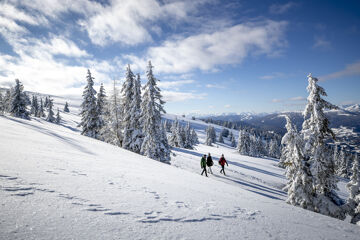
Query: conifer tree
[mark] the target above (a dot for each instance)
(89, 116)
(66, 107)
(18, 101)
(58, 118)
(194, 137)
(34, 106)
(300, 185)
(243, 142)
(274, 150)
(46, 102)
(221, 139)
(41, 112)
(233, 141)
(7, 101)
(210, 135)
(100, 109)
(112, 131)
(131, 107)
(2, 105)
(315, 130)
(353, 187)
(50, 117)
(154, 144)
(187, 139)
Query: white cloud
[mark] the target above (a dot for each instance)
(172, 96)
(227, 106)
(281, 8)
(174, 84)
(206, 51)
(350, 70)
(215, 86)
(297, 99)
(129, 22)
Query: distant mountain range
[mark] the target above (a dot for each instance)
(345, 122)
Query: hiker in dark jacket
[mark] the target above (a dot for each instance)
(203, 165)
(222, 162)
(209, 163)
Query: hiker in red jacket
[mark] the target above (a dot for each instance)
(222, 162)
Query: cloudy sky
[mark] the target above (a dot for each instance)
(211, 56)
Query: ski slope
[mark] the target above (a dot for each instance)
(57, 184)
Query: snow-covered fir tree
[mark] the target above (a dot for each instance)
(58, 118)
(232, 140)
(336, 155)
(131, 107)
(194, 137)
(243, 142)
(66, 107)
(175, 138)
(2, 105)
(187, 137)
(154, 144)
(112, 131)
(46, 102)
(315, 130)
(224, 132)
(167, 125)
(353, 187)
(342, 163)
(18, 101)
(89, 115)
(100, 109)
(7, 101)
(300, 182)
(41, 112)
(210, 135)
(221, 139)
(274, 150)
(50, 116)
(34, 106)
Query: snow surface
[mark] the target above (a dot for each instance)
(57, 184)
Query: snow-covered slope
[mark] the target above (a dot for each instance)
(57, 184)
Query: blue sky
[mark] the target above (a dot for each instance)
(211, 56)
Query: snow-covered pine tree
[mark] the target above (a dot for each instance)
(154, 145)
(7, 101)
(2, 105)
(58, 118)
(34, 106)
(66, 107)
(46, 102)
(336, 155)
(210, 138)
(89, 115)
(18, 101)
(27, 99)
(172, 136)
(131, 107)
(315, 129)
(274, 150)
(221, 139)
(299, 186)
(187, 139)
(243, 142)
(41, 112)
(167, 125)
(50, 117)
(232, 140)
(194, 138)
(353, 187)
(100, 109)
(112, 131)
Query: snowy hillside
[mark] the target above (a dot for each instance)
(58, 184)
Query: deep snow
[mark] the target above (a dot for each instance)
(57, 184)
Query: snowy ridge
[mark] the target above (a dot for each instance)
(60, 184)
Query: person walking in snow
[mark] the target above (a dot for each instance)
(203, 165)
(222, 162)
(209, 163)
